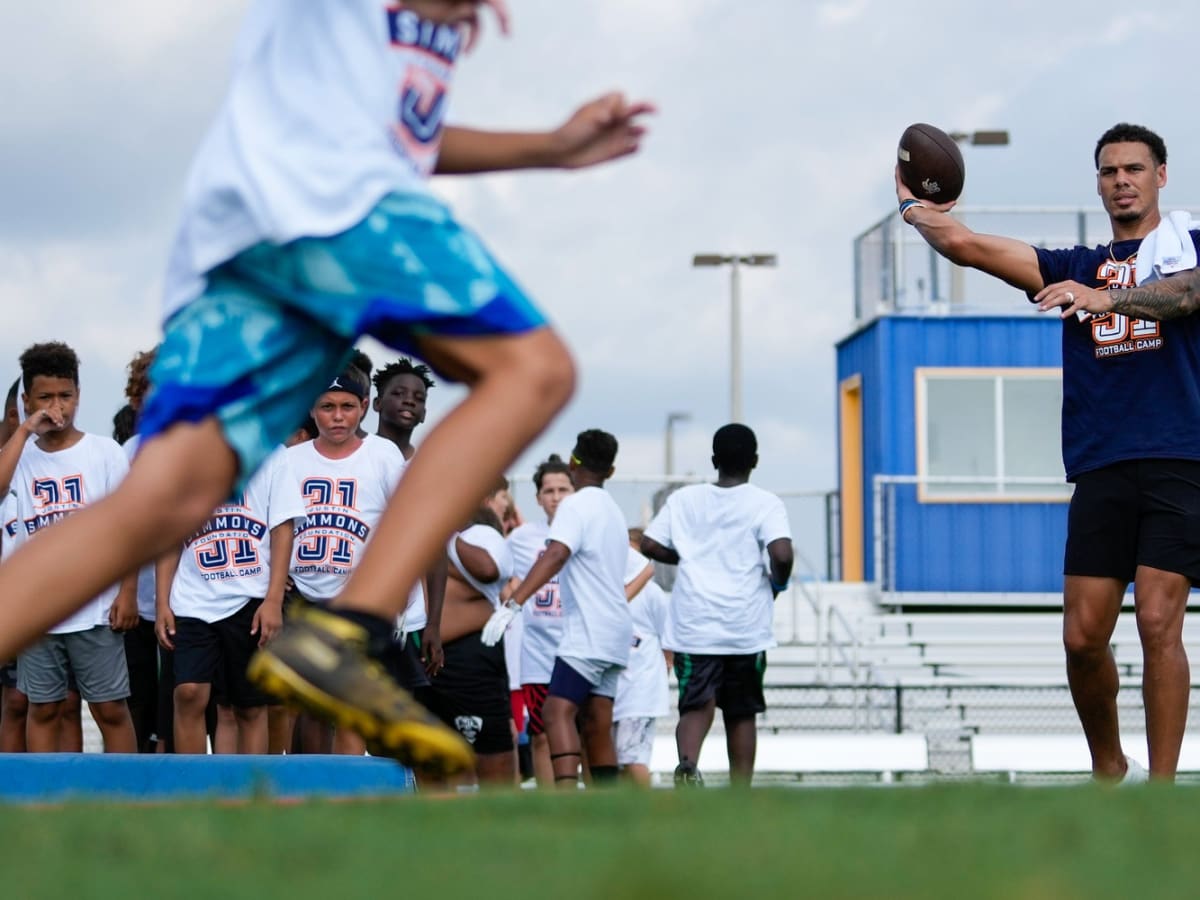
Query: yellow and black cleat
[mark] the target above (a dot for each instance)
(318, 663)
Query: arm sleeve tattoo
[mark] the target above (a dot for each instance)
(1170, 298)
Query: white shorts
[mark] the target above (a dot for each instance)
(634, 739)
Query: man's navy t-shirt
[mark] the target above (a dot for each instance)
(1131, 388)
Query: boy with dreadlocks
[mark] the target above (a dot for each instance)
(400, 391)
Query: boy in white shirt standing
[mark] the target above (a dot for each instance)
(222, 598)
(643, 691)
(720, 623)
(61, 472)
(542, 616)
(588, 544)
(401, 390)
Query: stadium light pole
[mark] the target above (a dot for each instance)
(735, 262)
(669, 439)
(994, 138)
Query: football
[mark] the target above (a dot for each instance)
(931, 165)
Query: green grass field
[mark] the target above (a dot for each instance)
(961, 841)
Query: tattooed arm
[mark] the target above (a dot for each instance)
(1171, 298)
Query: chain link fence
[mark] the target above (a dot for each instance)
(811, 513)
(949, 716)
(895, 270)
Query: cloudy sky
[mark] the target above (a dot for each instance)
(777, 132)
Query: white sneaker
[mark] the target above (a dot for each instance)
(1135, 773)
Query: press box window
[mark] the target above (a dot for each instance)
(1000, 426)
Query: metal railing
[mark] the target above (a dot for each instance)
(896, 271)
(883, 511)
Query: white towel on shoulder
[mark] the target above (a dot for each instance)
(1167, 249)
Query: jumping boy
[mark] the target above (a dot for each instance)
(307, 224)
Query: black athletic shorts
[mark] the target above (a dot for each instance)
(403, 662)
(8, 675)
(1135, 513)
(217, 653)
(471, 694)
(735, 680)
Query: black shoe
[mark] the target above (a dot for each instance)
(318, 663)
(687, 775)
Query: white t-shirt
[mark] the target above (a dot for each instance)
(416, 615)
(643, 690)
(8, 520)
(541, 616)
(330, 107)
(514, 643)
(721, 602)
(344, 500)
(145, 587)
(596, 622)
(491, 542)
(228, 561)
(51, 486)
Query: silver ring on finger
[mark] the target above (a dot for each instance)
(1070, 297)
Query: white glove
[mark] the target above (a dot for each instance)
(498, 623)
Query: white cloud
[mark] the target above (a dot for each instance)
(842, 13)
(777, 132)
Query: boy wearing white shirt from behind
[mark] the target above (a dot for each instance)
(588, 544)
(722, 602)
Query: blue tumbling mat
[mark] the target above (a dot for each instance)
(86, 777)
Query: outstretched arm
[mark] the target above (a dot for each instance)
(1005, 258)
(633, 588)
(601, 130)
(1170, 298)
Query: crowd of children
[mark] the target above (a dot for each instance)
(548, 633)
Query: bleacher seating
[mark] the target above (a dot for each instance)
(807, 753)
(967, 687)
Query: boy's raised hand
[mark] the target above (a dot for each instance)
(500, 8)
(601, 130)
